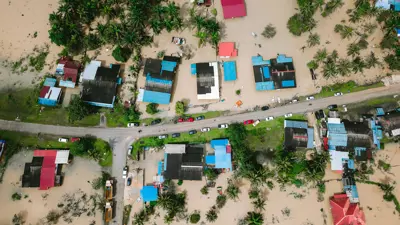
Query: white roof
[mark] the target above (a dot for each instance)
(175, 148)
(334, 120)
(140, 95)
(62, 157)
(337, 159)
(53, 93)
(90, 70)
(382, 4)
(396, 132)
(214, 89)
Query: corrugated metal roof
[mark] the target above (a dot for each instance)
(310, 137)
(334, 120)
(295, 124)
(223, 160)
(337, 159)
(210, 159)
(149, 193)
(175, 148)
(229, 71)
(217, 142)
(90, 70)
(62, 157)
(265, 86)
(51, 82)
(156, 97)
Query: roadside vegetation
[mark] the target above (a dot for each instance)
(93, 148)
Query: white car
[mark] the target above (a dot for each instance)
(205, 129)
(223, 126)
(288, 115)
(338, 94)
(163, 136)
(310, 98)
(133, 125)
(256, 123)
(269, 118)
(124, 172)
(345, 108)
(63, 140)
(130, 149)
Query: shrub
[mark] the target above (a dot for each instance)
(180, 108)
(152, 108)
(160, 54)
(204, 190)
(121, 54)
(221, 201)
(214, 12)
(269, 31)
(195, 217)
(77, 109)
(238, 91)
(16, 196)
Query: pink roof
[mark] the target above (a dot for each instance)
(233, 8)
(227, 49)
(344, 212)
(44, 153)
(47, 173)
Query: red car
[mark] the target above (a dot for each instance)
(73, 139)
(190, 119)
(247, 122)
(180, 120)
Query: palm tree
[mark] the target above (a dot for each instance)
(344, 67)
(362, 43)
(334, 55)
(202, 36)
(140, 218)
(254, 193)
(346, 32)
(221, 201)
(321, 55)
(211, 215)
(358, 65)
(372, 61)
(369, 28)
(269, 31)
(259, 204)
(313, 40)
(329, 70)
(232, 190)
(353, 50)
(254, 218)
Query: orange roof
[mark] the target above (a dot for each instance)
(344, 212)
(227, 49)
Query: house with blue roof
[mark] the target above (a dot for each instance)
(149, 193)
(276, 73)
(298, 135)
(49, 95)
(222, 157)
(160, 75)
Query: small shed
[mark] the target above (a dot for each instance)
(227, 50)
(229, 71)
(149, 193)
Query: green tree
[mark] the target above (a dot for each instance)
(358, 65)
(331, 6)
(269, 31)
(211, 215)
(313, 40)
(259, 204)
(321, 55)
(232, 191)
(180, 108)
(221, 201)
(121, 54)
(254, 193)
(329, 69)
(344, 67)
(77, 109)
(194, 217)
(254, 218)
(300, 23)
(210, 174)
(344, 31)
(362, 43)
(371, 61)
(204, 190)
(393, 61)
(369, 28)
(152, 108)
(353, 50)
(312, 64)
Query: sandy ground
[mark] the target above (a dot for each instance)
(77, 176)
(28, 16)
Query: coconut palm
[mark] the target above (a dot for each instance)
(254, 218)
(221, 201)
(353, 50)
(358, 65)
(362, 43)
(344, 31)
(259, 204)
(369, 28)
(329, 70)
(344, 67)
(232, 191)
(269, 31)
(321, 55)
(313, 40)
(211, 215)
(202, 36)
(312, 65)
(371, 60)
(334, 55)
(254, 193)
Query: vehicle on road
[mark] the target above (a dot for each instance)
(248, 122)
(163, 136)
(108, 192)
(200, 118)
(223, 126)
(108, 212)
(288, 115)
(265, 108)
(133, 124)
(189, 119)
(256, 123)
(319, 114)
(338, 94)
(63, 140)
(205, 129)
(191, 132)
(129, 181)
(269, 118)
(175, 135)
(310, 98)
(75, 139)
(130, 150)
(156, 121)
(124, 172)
(344, 108)
(332, 107)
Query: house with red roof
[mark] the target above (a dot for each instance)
(69, 69)
(233, 8)
(227, 50)
(344, 212)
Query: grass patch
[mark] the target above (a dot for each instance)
(209, 115)
(127, 213)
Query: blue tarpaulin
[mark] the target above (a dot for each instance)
(263, 86)
(48, 102)
(350, 164)
(288, 83)
(156, 97)
(283, 59)
(229, 71)
(210, 159)
(193, 69)
(51, 82)
(149, 193)
(168, 66)
(265, 71)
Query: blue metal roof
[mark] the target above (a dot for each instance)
(284, 59)
(223, 159)
(46, 101)
(217, 142)
(264, 86)
(337, 128)
(193, 69)
(337, 135)
(353, 191)
(151, 79)
(210, 159)
(258, 61)
(358, 150)
(350, 164)
(380, 112)
(156, 97)
(165, 161)
(295, 124)
(288, 83)
(160, 168)
(265, 71)
(377, 134)
(229, 70)
(149, 193)
(310, 137)
(168, 66)
(51, 82)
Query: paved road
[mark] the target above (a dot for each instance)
(121, 138)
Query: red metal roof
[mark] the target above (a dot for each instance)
(233, 8)
(44, 91)
(44, 153)
(344, 212)
(47, 173)
(227, 49)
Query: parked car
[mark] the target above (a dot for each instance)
(192, 132)
(124, 172)
(247, 122)
(163, 136)
(200, 118)
(181, 119)
(75, 139)
(310, 98)
(130, 149)
(344, 108)
(338, 94)
(175, 135)
(223, 126)
(269, 118)
(205, 129)
(134, 124)
(156, 121)
(129, 181)
(265, 108)
(288, 115)
(63, 140)
(332, 107)
(256, 123)
(190, 119)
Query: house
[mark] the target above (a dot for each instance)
(273, 74)
(344, 212)
(229, 70)
(298, 135)
(49, 94)
(2, 148)
(149, 193)
(227, 50)
(388, 4)
(160, 76)
(207, 75)
(69, 69)
(100, 84)
(183, 165)
(45, 170)
(377, 133)
(349, 183)
(233, 8)
(222, 157)
(391, 123)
